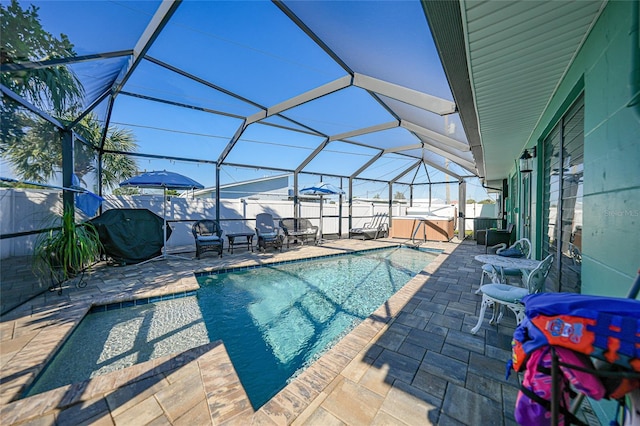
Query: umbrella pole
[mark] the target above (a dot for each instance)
(321, 236)
(164, 254)
(164, 219)
(321, 239)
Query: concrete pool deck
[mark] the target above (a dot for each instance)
(413, 361)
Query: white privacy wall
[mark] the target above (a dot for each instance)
(30, 210)
(23, 210)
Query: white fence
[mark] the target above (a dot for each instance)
(24, 211)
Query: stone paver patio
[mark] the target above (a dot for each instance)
(413, 361)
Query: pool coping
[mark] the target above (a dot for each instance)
(303, 392)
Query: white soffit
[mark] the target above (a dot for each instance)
(518, 53)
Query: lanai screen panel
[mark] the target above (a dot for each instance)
(423, 175)
(387, 139)
(96, 26)
(439, 161)
(96, 119)
(164, 129)
(22, 159)
(340, 158)
(230, 174)
(249, 48)
(161, 84)
(267, 146)
(365, 190)
(448, 125)
(280, 121)
(342, 111)
(387, 167)
(382, 39)
(97, 77)
(89, 27)
(442, 161)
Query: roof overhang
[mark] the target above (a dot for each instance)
(504, 63)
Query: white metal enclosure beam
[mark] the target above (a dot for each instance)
(409, 96)
(364, 131)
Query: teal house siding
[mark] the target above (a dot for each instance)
(603, 71)
(612, 157)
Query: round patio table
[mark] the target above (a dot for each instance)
(500, 262)
(508, 262)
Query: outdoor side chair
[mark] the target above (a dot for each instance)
(268, 233)
(208, 236)
(500, 295)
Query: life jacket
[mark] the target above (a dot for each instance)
(575, 328)
(605, 328)
(533, 404)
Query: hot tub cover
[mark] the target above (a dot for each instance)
(130, 236)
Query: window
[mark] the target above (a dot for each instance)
(563, 172)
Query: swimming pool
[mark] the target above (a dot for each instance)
(274, 320)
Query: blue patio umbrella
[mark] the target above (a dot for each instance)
(162, 180)
(321, 189)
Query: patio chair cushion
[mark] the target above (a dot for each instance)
(505, 292)
(208, 238)
(511, 252)
(269, 234)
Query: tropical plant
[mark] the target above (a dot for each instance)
(62, 253)
(128, 190)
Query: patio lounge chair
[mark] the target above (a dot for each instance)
(299, 229)
(267, 232)
(377, 228)
(499, 295)
(208, 236)
(501, 275)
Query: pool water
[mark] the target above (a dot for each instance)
(274, 320)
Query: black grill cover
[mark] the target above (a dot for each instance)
(130, 235)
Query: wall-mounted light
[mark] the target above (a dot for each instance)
(526, 160)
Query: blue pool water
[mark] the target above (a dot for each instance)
(273, 320)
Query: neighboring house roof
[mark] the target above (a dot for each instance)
(247, 188)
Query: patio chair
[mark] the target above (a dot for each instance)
(208, 236)
(299, 229)
(501, 275)
(267, 232)
(493, 237)
(500, 295)
(377, 228)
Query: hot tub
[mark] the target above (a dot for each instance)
(423, 225)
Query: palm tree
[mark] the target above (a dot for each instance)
(30, 144)
(55, 89)
(116, 167)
